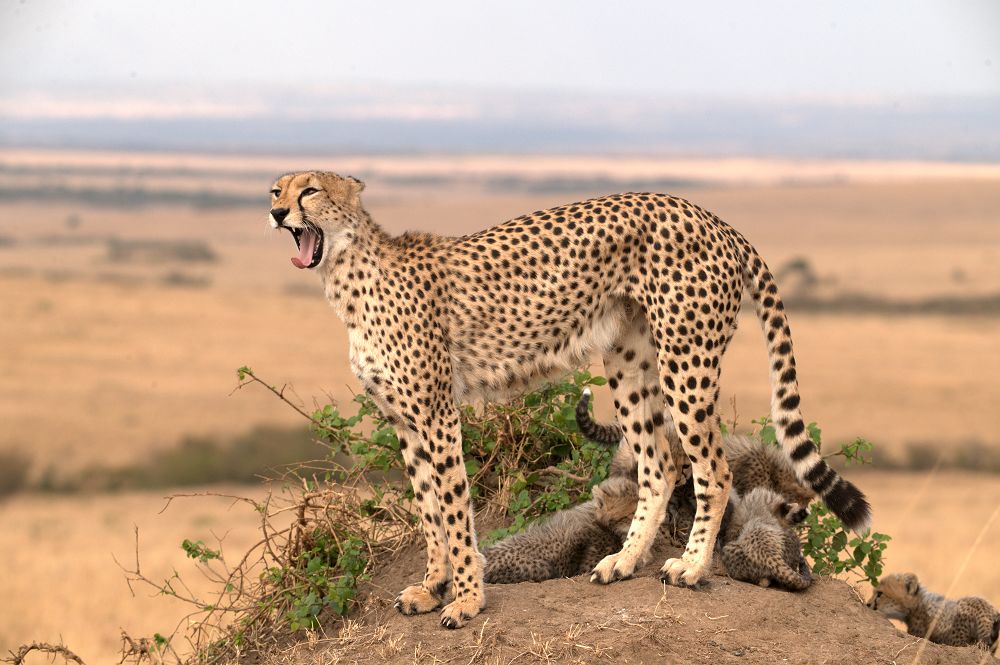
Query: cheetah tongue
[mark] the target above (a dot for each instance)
(307, 245)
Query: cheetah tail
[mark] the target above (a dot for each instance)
(608, 435)
(842, 497)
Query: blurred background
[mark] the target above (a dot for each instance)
(856, 144)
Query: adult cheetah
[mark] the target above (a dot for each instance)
(650, 281)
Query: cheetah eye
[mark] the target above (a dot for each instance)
(309, 190)
(275, 192)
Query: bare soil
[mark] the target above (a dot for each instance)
(634, 621)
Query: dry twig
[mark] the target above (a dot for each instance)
(17, 657)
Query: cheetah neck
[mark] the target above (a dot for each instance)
(350, 272)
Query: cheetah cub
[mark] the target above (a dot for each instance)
(964, 622)
(759, 543)
(569, 543)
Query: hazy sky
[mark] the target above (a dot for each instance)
(847, 48)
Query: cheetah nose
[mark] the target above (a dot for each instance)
(279, 214)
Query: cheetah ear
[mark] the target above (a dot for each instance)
(347, 190)
(358, 185)
(911, 584)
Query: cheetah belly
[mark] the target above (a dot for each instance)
(497, 373)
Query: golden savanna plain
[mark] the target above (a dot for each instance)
(125, 315)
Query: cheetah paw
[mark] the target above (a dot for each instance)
(683, 573)
(458, 612)
(612, 568)
(416, 599)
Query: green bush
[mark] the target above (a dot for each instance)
(525, 458)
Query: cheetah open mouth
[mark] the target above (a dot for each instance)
(309, 240)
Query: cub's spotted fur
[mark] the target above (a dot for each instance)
(651, 282)
(963, 622)
(569, 543)
(758, 542)
(760, 546)
(563, 545)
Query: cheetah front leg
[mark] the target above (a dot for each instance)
(442, 434)
(429, 594)
(434, 463)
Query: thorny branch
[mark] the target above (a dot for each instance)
(17, 657)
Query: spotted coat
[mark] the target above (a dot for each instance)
(651, 282)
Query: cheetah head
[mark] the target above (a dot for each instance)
(319, 208)
(896, 595)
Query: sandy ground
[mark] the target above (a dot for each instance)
(67, 582)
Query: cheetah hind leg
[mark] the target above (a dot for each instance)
(633, 378)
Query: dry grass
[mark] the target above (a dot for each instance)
(103, 353)
(65, 583)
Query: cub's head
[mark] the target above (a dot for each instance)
(762, 502)
(896, 595)
(615, 500)
(319, 208)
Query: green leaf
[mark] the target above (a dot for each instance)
(768, 435)
(815, 433)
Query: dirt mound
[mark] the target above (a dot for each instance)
(633, 621)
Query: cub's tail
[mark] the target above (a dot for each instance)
(842, 497)
(608, 435)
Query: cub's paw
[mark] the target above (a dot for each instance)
(458, 612)
(416, 599)
(614, 567)
(684, 573)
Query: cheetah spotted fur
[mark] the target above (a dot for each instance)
(651, 282)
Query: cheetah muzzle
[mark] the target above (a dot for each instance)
(651, 282)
